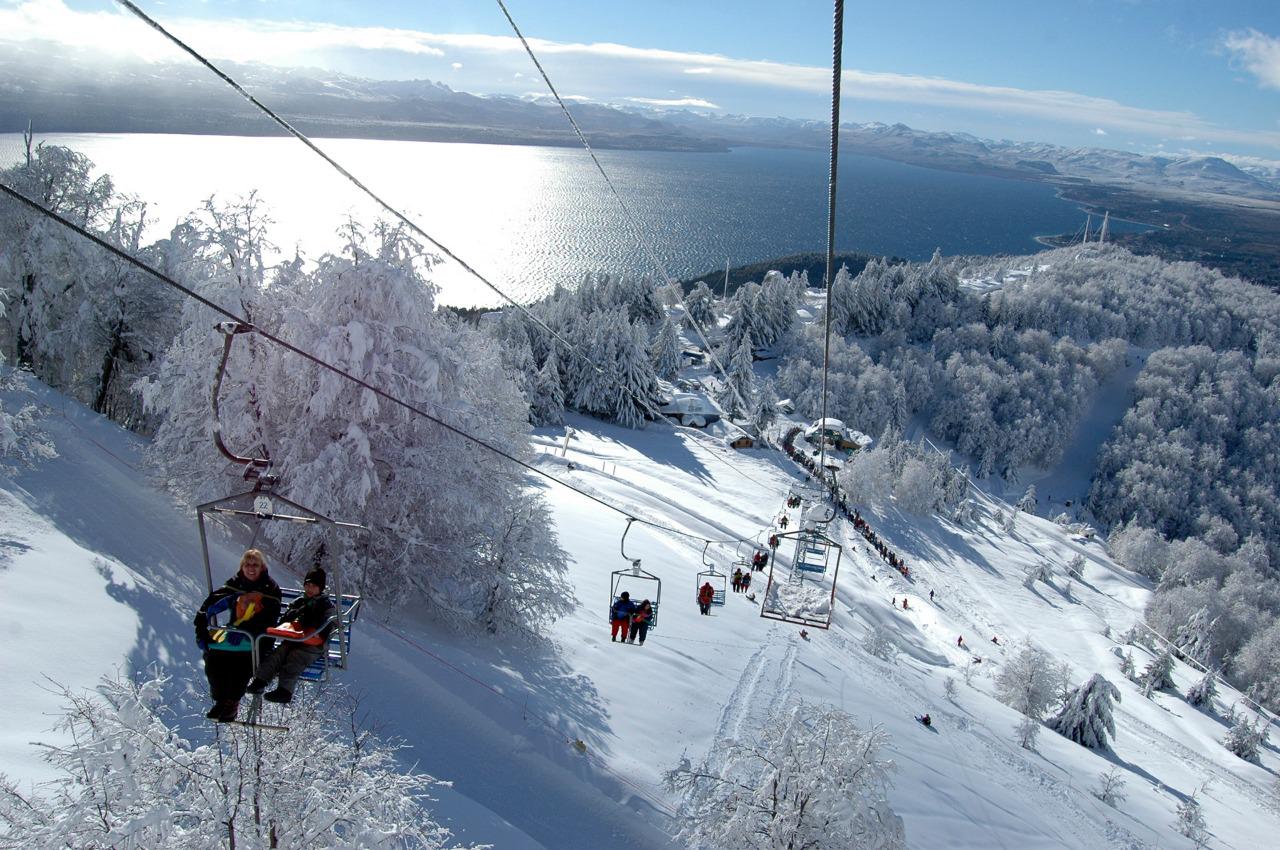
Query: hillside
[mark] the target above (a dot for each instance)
(500, 718)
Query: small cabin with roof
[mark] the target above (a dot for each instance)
(693, 409)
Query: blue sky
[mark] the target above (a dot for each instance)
(1144, 75)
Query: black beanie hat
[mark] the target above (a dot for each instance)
(316, 577)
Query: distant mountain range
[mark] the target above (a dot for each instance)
(83, 92)
(1200, 208)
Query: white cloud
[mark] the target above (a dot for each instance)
(598, 66)
(696, 102)
(1098, 131)
(1258, 53)
(457, 66)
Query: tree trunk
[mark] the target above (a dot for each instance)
(118, 347)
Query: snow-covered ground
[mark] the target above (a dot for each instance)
(563, 745)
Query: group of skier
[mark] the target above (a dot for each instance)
(741, 581)
(630, 620)
(245, 611)
(890, 557)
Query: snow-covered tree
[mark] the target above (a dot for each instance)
(1026, 732)
(1038, 572)
(665, 351)
(440, 503)
(739, 388)
(1191, 821)
(1110, 788)
(1245, 738)
(1201, 694)
(813, 780)
(546, 407)
(1085, 716)
(1026, 682)
(765, 408)
(1075, 567)
(129, 780)
(1158, 675)
(700, 304)
(1027, 504)
(881, 644)
(1126, 665)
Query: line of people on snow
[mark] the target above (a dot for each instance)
(629, 619)
(246, 610)
(842, 504)
(890, 557)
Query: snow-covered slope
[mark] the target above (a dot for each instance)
(100, 569)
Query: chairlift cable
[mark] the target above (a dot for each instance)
(323, 364)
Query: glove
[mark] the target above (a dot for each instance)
(203, 644)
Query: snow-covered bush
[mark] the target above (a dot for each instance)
(1201, 694)
(129, 780)
(1110, 788)
(1191, 821)
(1245, 738)
(22, 440)
(814, 779)
(881, 644)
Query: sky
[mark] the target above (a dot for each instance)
(1172, 76)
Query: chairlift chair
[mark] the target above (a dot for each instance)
(718, 580)
(807, 559)
(261, 505)
(813, 552)
(636, 581)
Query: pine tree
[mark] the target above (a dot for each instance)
(665, 351)
(1027, 504)
(701, 308)
(1191, 821)
(1201, 694)
(547, 405)
(1158, 676)
(1085, 717)
(1245, 738)
(739, 389)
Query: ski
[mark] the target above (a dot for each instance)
(270, 727)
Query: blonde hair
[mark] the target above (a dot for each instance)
(253, 555)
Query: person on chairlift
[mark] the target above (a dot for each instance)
(310, 616)
(640, 622)
(228, 622)
(706, 594)
(620, 616)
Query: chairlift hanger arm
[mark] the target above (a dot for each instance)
(230, 330)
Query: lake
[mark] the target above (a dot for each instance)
(529, 218)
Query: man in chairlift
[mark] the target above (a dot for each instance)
(308, 617)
